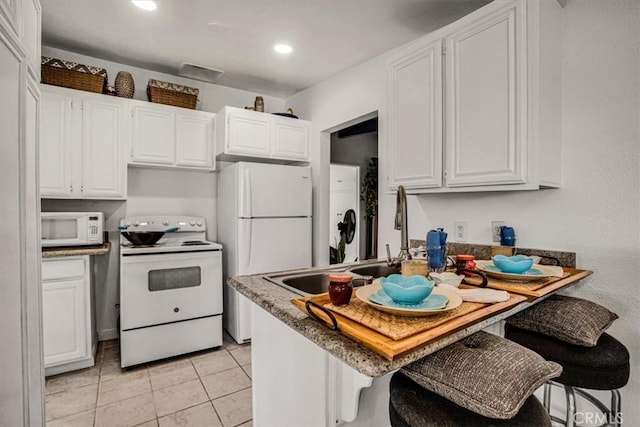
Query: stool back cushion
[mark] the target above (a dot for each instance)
(569, 319)
(484, 373)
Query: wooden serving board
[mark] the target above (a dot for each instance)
(537, 288)
(417, 331)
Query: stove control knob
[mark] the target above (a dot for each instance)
(192, 222)
(165, 222)
(199, 222)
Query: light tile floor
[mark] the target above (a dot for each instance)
(206, 388)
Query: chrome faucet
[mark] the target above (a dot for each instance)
(400, 224)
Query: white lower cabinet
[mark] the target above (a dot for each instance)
(66, 314)
(287, 367)
(171, 137)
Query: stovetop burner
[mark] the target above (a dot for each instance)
(190, 235)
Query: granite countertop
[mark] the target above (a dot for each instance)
(77, 250)
(277, 301)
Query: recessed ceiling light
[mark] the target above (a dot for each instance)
(283, 48)
(145, 4)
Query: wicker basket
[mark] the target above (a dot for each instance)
(58, 72)
(172, 94)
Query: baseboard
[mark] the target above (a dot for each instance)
(108, 334)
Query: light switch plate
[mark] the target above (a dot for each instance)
(460, 229)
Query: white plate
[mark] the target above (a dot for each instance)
(364, 292)
(536, 272)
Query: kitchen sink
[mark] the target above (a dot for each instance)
(375, 270)
(314, 283)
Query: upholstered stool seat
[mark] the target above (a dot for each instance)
(411, 405)
(604, 366)
(481, 380)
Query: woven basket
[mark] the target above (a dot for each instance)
(172, 94)
(58, 72)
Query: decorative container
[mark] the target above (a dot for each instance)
(58, 72)
(124, 85)
(172, 94)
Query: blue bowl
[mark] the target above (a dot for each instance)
(512, 264)
(407, 290)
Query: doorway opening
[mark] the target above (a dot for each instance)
(353, 192)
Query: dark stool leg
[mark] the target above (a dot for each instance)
(615, 408)
(547, 396)
(571, 406)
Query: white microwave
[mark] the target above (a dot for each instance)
(72, 228)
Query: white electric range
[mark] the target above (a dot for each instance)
(170, 292)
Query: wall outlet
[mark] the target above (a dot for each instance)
(495, 230)
(460, 231)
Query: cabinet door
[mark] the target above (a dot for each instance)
(103, 143)
(64, 320)
(415, 117)
(152, 135)
(31, 26)
(485, 98)
(194, 140)
(290, 139)
(55, 145)
(248, 133)
(9, 9)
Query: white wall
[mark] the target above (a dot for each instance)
(211, 97)
(597, 211)
(151, 191)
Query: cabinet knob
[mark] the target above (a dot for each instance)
(176, 309)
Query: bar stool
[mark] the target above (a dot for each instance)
(481, 380)
(411, 405)
(604, 366)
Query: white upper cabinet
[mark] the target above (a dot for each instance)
(82, 145)
(55, 144)
(171, 137)
(152, 134)
(502, 64)
(9, 10)
(415, 116)
(486, 119)
(245, 135)
(290, 138)
(194, 139)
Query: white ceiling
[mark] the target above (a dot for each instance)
(237, 36)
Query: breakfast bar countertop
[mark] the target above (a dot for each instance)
(276, 300)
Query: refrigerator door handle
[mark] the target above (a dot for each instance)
(246, 197)
(247, 242)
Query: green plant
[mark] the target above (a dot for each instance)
(369, 192)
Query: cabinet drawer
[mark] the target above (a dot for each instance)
(63, 268)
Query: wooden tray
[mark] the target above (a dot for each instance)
(416, 332)
(537, 288)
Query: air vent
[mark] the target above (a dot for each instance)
(198, 72)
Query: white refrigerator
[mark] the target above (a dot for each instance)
(264, 225)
